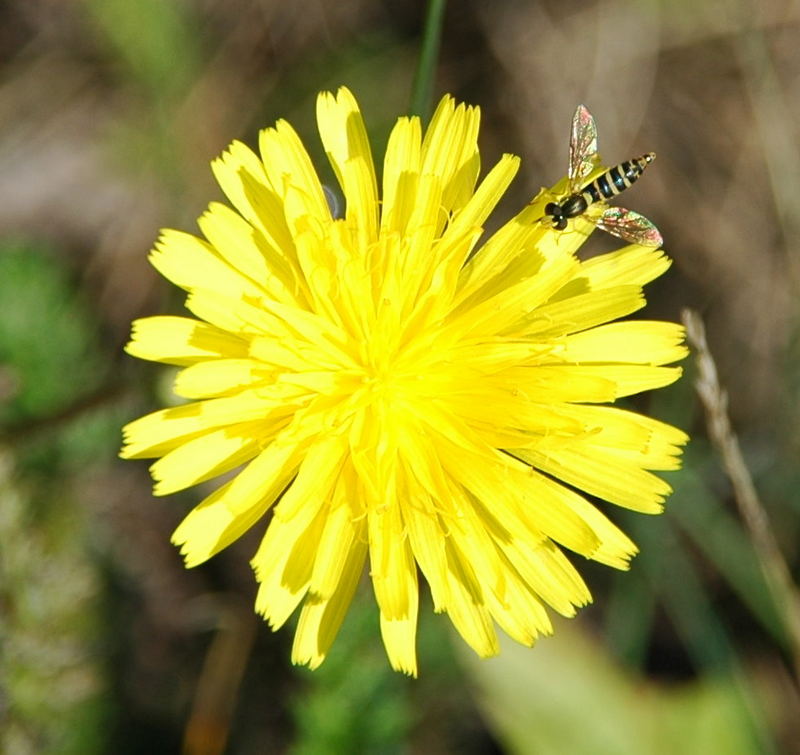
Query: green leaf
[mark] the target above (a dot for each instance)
(47, 339)
(567, 695)
(154, 40)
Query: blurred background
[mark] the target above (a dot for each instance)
(110, 111)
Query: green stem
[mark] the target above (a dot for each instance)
(422, 88)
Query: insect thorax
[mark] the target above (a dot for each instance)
(574, 205)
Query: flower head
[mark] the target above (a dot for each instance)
(396, 393)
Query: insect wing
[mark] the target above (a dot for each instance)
(582, 148)
(630, 226)
(334, 203)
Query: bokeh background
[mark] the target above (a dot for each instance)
(110, 111)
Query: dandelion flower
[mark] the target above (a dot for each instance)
(396, 392)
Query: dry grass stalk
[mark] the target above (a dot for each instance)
(715, 400)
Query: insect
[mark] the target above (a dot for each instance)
(583, 159)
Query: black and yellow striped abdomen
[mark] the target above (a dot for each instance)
(615, 180)
(606, 186)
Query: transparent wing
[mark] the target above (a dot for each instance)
(630, 226)
(334, 203)
(582, 148)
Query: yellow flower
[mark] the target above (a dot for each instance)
(396, 392)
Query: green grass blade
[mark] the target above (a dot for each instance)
(422, 90)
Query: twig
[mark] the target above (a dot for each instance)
(209, 726)
(108, 393)
(773, 564)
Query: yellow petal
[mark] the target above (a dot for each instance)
(191, 263)
(320, 620)
(401, 175)
(628, 378)
(218, 377)
(602, 475)
(519, 613)
(344, 136)
(490, 191)
(247, 250)
(293, 178)
(637, 342)
(580, 312)
(509, 247)
(283, 565)
(343, 525)
(466, 607)
(511, 307)
(615, 548)
(314, 482)
(547, 572)
(207, 456)
(181, 340)
(427, 539)
(236, 506)
(242, 177)
(399, 636)
(522, 499)
(158, 432)
(631, 265)
(229, 314)
(641, 440)
(210, 527)
(450, 151)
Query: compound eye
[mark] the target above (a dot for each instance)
(551, 208)
(561, 224)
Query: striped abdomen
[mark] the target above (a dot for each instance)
(615, 180)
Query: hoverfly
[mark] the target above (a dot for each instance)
(583, 159)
